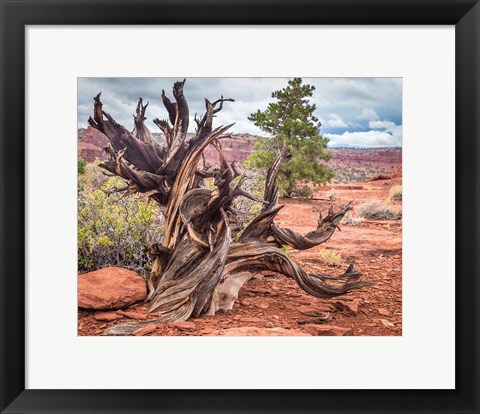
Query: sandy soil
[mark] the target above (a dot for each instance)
(274, 301)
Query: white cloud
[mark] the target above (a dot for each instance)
(381, 124)
(345, 106)
(369, 113)
(335, 121)
(373, 138)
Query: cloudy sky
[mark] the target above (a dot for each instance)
(360, 112)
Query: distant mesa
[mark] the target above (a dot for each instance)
(237, 148)
(91, 143)
(396, 174)
(350, 164)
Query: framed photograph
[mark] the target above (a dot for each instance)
(239, 207)
(149, 268)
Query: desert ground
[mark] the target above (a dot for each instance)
(271, 304)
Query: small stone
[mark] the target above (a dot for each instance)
(263, 305)
(106, 316)
(383, 311)
(145, 330)
(133, 315)
(208, 331)
(350, 307)
(185, 326)
(387, 323)
(327, 330)
(246, 301)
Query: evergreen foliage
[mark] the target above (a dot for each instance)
(290, 121)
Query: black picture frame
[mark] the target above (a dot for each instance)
(15, 15)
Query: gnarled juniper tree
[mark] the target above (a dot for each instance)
(206, 256)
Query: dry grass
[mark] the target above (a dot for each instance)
(375, 210)
(330, 257)
(395, 193)
(349, 220)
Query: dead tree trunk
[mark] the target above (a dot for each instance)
(205, 257)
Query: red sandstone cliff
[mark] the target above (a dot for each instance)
(237, 148)
(350, 164)
(91, 143)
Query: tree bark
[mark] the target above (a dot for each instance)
(205, 259)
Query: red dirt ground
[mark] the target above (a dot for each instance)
(274, 301)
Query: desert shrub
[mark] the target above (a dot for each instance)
(209, 183)
(395, 193)
(375, 210)
(254, 184)
(81, 166)
(285, 250)
(330, 257)
(304, 192)
(114, 229)
(349, 220)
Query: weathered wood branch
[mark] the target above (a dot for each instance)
(141, 131)
(198, 269)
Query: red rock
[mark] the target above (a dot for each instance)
(208, 331)
(383, 311)
(314, 309)
(254, 331)
(262, 290)
(327, 330)
(133, 315)
(289, 306)
(263, 305)
(91, 144)
(246, 301)
(145, 330)
(185, 326)
(237, 148)
(351, 307)
(387, 323)
(106, 316)
(252, 319)
(110, 288)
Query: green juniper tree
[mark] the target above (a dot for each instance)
(290, 122)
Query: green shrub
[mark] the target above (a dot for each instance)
(81, 166)
(114, 230)
(304, 192)
(330, 257)
(254, 184)
(395, 193)
(375, 210)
